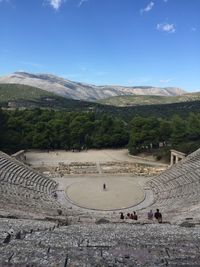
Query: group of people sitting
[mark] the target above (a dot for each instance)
(157, 215)
(132, 216)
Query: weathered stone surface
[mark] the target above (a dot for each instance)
(25, 191)
(103, 245)
(102, 220)
(176, 191)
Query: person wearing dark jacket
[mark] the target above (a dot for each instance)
(121, 216)
(135, 217)
(158, 216)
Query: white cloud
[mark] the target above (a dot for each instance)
(166, 27)
(82, 2)
(148, 7)
(165, 1)
(55, 3)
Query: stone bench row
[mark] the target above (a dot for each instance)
(161, 185)
(32, 182)
(179, 186)
(24, 190)
(23, 225)
(22, 199)
(18, 174)
(105, 245)
(189, 165)
(176, 190)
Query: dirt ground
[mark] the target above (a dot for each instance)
(120, 192)
(52, 158)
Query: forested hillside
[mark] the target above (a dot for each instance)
(138, 100)
(24, 96)
(50, 129)
(158, 111)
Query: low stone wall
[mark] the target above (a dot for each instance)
(20, 155)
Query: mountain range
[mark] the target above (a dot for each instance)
(82, 91)
(138, 100)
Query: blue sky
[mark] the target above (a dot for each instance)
(125, 42)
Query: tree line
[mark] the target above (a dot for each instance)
(51, 129)
(161, 135)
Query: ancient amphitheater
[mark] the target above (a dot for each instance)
(54, 211)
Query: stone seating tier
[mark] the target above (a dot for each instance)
(23, 189)
(178, 188)
(46, 244)
(15, 172)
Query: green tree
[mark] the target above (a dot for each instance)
(179, 130)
